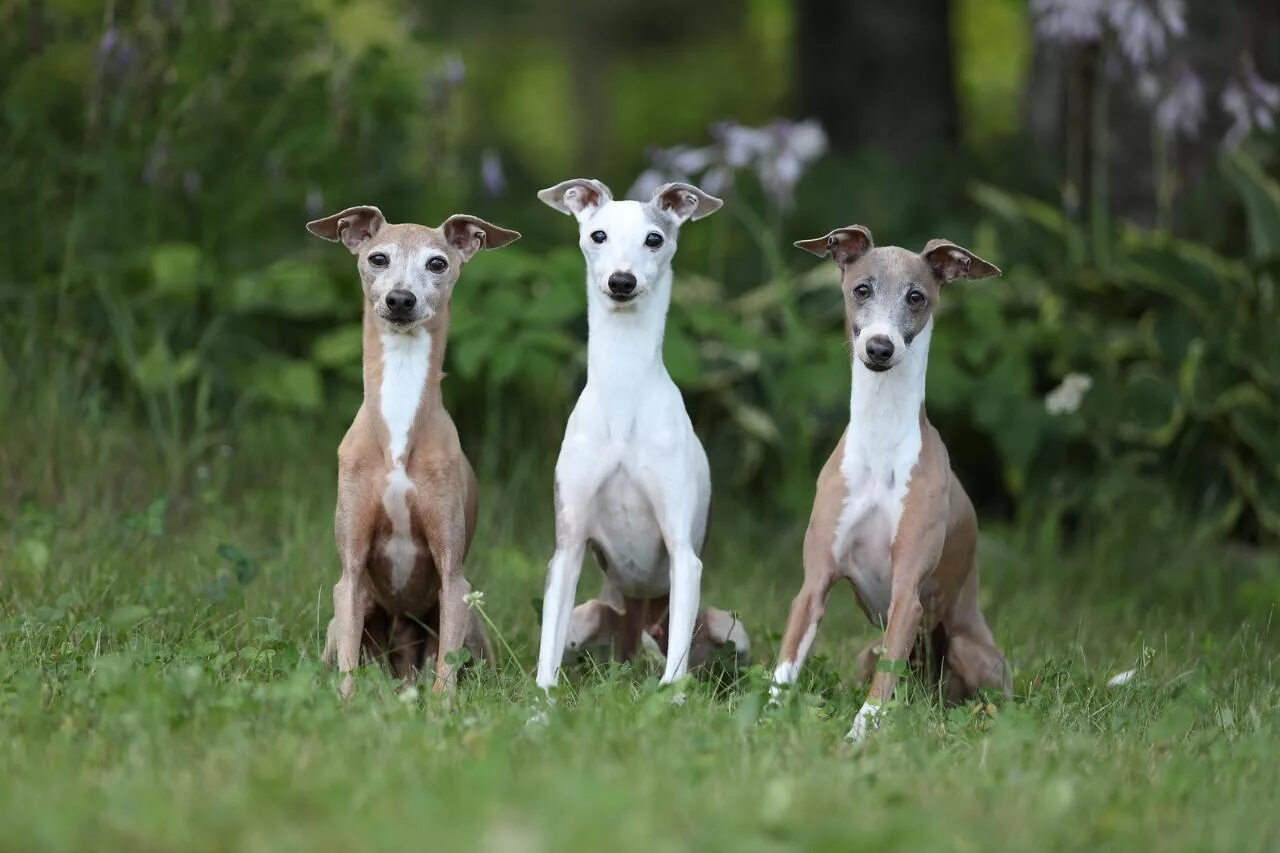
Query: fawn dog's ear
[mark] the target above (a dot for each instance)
(846, 244)
(470, 234)
(578, 197)
(685, 201)
(949, 262)
(353, 227)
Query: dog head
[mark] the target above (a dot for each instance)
(628, 244)
(408, 271)
(890, 293)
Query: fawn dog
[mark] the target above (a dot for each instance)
(890, 515)
(406, 509)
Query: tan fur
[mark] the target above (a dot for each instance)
(422, 622)
(934, 583)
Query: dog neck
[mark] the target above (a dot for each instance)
(884, 408)
(624, 346)
(402, 374)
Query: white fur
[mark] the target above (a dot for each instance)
(880, 451)
(866, 721)
(406, 358)
(632, 476)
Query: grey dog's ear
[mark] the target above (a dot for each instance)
(352, 227)
(685, 201)
(950, 262)
(846, 244)
(576, 197)
(470, 234)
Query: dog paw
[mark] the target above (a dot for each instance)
(348, 687)
(866, 721)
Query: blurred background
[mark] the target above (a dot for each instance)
(162, 308)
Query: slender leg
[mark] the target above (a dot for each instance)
(972, 655)
(557, 608)
(454, 620)
(350, 601)
(807, 610)
(905, 614)
(686, 585)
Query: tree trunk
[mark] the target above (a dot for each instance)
(877, 73)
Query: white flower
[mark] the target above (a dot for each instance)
(1067, 397)
(475, 598)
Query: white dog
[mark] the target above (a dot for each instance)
(632, 478)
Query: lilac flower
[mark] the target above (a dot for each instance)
(116, 53)
(314, 202)
(1144, 29)
(1181, 110)
(454, 70)
(191, 183)
(778, 153)
(1069, 21)
(1250, 102)
(492, 174)
(157, 159)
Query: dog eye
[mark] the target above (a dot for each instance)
(654, 240)
(915, 298)
(377, 259)
(598, 236)
(437, 264)
(862, 291)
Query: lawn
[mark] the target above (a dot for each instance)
(160, 689)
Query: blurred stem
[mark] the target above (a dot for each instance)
(1162, 145)
(1098, 186)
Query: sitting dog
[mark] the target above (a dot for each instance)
(890, 515)
(632, 479)
(406, 509)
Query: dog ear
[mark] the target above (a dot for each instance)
(352, 227)
(576, 197)
(470, 234)
(846, 244)
(685, 201)
(950, 262)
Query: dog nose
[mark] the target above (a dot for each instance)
(622, 283)
(401, 301)
(879, 348)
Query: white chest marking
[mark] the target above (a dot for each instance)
(405, 361)
(881, 449)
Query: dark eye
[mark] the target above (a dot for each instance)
(915, 298)
(654, 240)
(598, 236)
(437, 264)
(862, 292)
(377, 259)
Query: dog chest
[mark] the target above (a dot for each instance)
(877, 477)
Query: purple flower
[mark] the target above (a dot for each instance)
(1145, 28)
(314, 202)
(1251, 102)
(116, 54)
(191, 183)
(157, 160)
(492, 174)
(1069, 21)
(1181, 110)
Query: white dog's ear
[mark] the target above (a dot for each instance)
(470, 234)
(353, 227)
(950, 262)
(685, 201)
(578, 197)
(846, 244)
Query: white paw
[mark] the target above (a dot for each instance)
(865, 722)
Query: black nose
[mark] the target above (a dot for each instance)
(401, 302)
(622, 283)
(879, 348)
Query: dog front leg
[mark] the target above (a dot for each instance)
(686, 586)
(557, 606)
(350, 603)
(905, 615)
(454, 621)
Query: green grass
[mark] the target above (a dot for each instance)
(160, 690)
